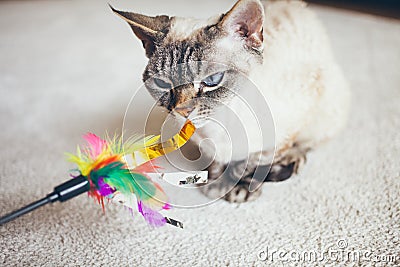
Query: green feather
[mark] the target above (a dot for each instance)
(120, 178)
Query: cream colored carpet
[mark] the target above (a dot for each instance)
(68, 67)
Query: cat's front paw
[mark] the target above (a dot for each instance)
(240, 193)
(230, 191)
(234, 182)
(230, 184)
(287, 163)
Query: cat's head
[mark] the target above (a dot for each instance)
(194, 64)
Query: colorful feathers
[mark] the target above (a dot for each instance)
(102, 162)
(118, 170)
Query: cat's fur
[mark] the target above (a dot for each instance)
(283, 49)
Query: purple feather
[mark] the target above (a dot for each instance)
(104, 189)
(154, 218)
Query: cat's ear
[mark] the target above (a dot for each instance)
(149, 30)
(245, 20)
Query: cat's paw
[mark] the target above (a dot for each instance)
(287, 164)
(240, 193)
(229, 191)
(231, 184)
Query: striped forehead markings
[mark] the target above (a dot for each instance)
(173, 59)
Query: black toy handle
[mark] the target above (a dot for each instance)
(63, 192)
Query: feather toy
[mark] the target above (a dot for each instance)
(102, 162)
(111, 169)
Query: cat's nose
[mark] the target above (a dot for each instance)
(184, 111)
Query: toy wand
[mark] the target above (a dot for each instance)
(62, 193)
(105, 174)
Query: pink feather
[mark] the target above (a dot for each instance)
(147, 167)
(96, 145)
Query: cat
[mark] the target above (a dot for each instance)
(283, 49)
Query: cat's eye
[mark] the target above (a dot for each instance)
(162, 84)
(213, 80)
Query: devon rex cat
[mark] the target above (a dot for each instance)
(282, 48)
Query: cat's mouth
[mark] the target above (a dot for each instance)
(183, 114)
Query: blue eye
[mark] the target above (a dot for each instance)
(213, 80)
(162, 84)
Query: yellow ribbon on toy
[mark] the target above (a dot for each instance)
(152, 151)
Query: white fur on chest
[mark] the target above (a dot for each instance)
(236, 130)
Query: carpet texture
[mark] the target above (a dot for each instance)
(68, 67)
